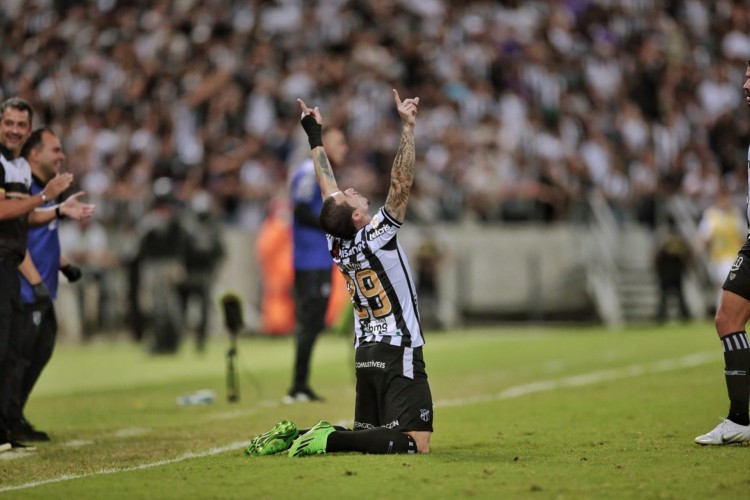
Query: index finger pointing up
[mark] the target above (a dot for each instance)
(396, 97)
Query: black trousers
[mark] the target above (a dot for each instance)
(311, 292)
(200, 291)
(36, 350)
(666, 291)
(11, 324)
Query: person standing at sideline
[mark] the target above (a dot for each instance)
(312, 264)
(730, 321)
(672, 260)
(43, 261)
(393, 411)
(17, 210)
(721, 233)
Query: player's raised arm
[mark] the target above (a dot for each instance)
(312, 122)
(402, 171)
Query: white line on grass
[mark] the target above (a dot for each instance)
(584, 379)
(181, 458)
(596, 377)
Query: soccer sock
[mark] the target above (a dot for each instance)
(378, 440)
(337, 427)
(737, 367)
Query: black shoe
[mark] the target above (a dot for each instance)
(24, 431)
(31, 435)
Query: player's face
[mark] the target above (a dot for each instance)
(353, 199)
(51, 156)
(15, 128)
(746, 86)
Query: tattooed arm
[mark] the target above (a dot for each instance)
(323, 169)
(324, 172)
(402, 171)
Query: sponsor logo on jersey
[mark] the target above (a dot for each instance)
(352, 250)
(370, 364)
(391, 425)
(374, 327)
(378, 232)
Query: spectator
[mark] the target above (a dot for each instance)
(672, 260)
(202, 254)
(721, 234)
(42, 264)
(533, 106)
(273, 249)
(160, 268)
(87, 243)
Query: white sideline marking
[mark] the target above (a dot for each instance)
(665, 365)
(75, 443)
(596, 377)
(181, 458)
(132, 432)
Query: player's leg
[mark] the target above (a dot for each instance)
(421, 440)
(368, 436)
(409, 400)
(393, 413)
(376, 441)
(41, 353)
(16, 363)
(8, 278)
(731, 317)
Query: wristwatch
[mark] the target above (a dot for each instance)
(43, 196)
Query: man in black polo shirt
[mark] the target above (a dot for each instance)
(17, 211)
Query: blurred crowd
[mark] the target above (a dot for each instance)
(526, 107)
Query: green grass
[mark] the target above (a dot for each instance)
(520, 412)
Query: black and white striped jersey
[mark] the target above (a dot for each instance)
(15, 183)
(380, 284)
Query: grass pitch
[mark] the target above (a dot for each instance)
(519, 412)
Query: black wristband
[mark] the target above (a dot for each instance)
(314, 131)
(41, 292)
(71, 272)
(57, 212)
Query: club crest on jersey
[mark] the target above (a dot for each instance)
(424, 414)
(36, 318)
(375, 222)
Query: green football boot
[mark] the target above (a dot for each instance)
(312, 442)
(278, 439)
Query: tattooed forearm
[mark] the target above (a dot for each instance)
(402, 175)
(324, 171)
